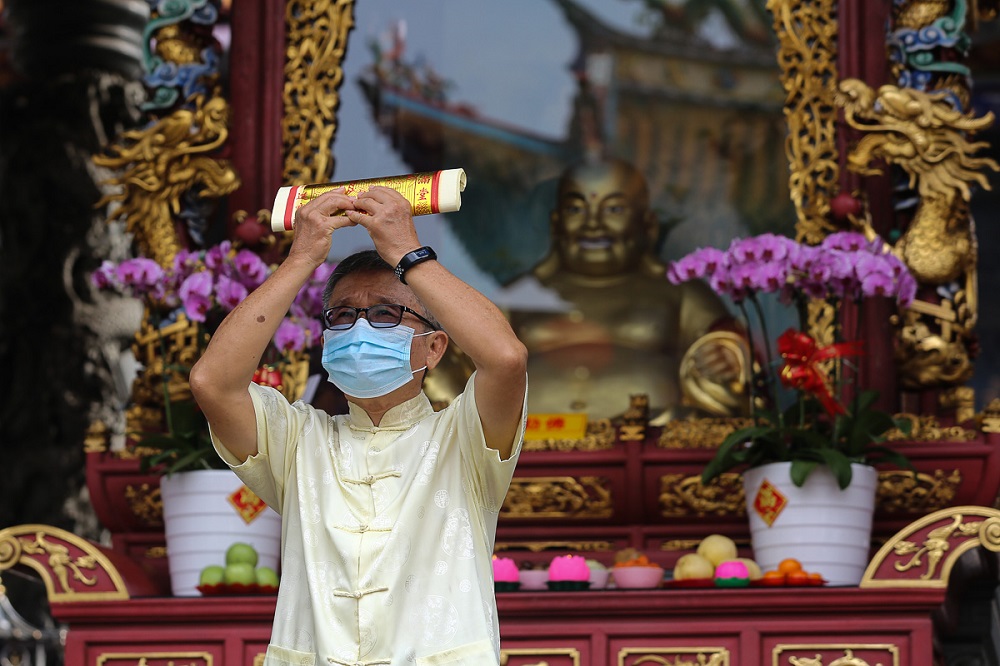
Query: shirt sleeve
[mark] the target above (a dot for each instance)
(279, 427)
(489, 476)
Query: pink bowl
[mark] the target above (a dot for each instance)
(599, 578)
(637, 577)
(534, 579)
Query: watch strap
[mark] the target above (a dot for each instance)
(411, 259)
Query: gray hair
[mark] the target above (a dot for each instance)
(364, 262)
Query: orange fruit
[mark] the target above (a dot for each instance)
(773, 578)
(816, 578)
(797, 578)
(789, 565)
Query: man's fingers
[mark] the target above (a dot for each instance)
(365, 205)
(328, 204)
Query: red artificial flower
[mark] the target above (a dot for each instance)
(801, 369)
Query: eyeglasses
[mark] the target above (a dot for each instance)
(383, 315)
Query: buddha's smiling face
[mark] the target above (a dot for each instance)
(602, 225)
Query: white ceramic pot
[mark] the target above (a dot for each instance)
(827, 529)
(200, 523)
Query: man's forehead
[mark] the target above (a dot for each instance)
(370, 287)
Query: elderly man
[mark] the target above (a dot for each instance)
(389, 512)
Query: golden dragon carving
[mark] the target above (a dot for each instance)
(926, 137)
(160, 164)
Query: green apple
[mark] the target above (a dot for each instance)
(241, 553)
(212, 575)
(267, 577)
(240, 573)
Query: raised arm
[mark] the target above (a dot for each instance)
(220, 378)
(478, 327)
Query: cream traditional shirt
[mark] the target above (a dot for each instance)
(387, 531)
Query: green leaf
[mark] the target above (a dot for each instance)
(801, 469)
(839, 464)
(729, 454)
(886, 454)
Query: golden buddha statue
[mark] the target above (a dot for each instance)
(625, 329)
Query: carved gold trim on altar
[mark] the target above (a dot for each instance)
(821, 324)
(145, 503)
(155, 659)
(316, 42)
(928, 429)
(600, 436)
(72, 568)
(961, 400)
(155, 553)
(558, 497)
(919, 492)
(684, 495)
(843, 654)
(96, 439)
(572, 656)
(990, 421)
(807, 55)
(703, 433)
(164, 352)
(539, 546)
(923, 553)
(897, 491)
(673, 656)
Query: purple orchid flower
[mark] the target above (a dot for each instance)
(699, 264)
(229, 292)
(289, 336)
(104, 277)
(139, 274)
(251, 270)
(217, 257)
(196, 295)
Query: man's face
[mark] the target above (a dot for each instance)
(366, 288)
(601, 226)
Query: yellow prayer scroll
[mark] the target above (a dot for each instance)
(430, 192)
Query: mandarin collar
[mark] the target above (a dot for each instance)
(400, 417)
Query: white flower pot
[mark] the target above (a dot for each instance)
(200, 523)
(827, 529)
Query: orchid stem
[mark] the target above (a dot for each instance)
(772, 386)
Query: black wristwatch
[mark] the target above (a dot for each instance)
(411, 259)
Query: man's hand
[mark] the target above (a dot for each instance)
(315, 223)
(388, 218)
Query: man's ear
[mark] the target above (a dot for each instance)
(437, 343)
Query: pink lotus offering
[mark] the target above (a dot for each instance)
(569, 572)
(732, 573)
(505, 570)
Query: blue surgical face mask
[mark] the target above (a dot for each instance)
(367, 362)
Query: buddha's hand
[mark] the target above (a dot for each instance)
(714, 374)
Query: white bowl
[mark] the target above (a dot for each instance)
(534, 579)
(637, 577)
